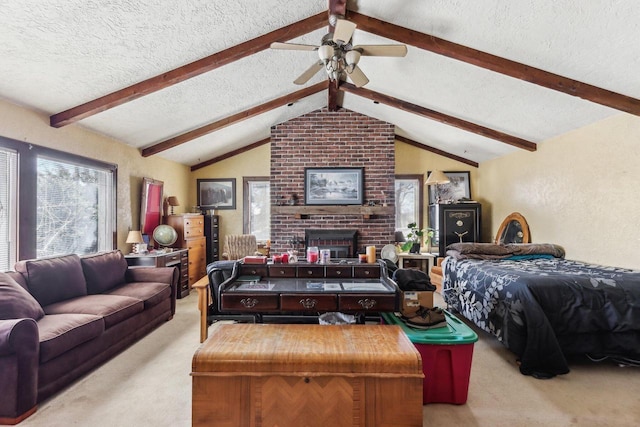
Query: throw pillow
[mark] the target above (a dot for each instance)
(16, 302)
(54, 279)
(104, 271)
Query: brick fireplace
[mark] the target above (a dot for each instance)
(332, 139)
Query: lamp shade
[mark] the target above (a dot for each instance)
(437, 177)
(134, 237)
(173, 201)
(400, 237)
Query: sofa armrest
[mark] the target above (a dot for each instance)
(170, 275)
(19, 354)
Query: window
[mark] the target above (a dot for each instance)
(73, 208)
(409, 190)
(8, 208)
(257, 207)
(66, 203)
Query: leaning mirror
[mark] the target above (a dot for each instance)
(514, 229)
(150, 205)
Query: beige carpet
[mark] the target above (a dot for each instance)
(149, 385)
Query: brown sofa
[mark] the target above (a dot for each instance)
(60, 317)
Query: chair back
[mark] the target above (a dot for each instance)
(238, 246)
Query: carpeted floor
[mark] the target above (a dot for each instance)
(149, 385)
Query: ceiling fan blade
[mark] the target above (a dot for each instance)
(357, 77)
(311, 71)
(382, 49)
(292, 46)
(343, 31)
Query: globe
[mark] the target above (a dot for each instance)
(165, 235)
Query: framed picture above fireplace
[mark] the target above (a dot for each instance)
(334, 186)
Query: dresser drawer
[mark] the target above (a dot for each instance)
(194, 231)
(306, 271)
(172, 258)
(355, 302)
(338, 271)
(309, 302)
(366, 272)
(253, 270)
(282, 270)
(249, 302)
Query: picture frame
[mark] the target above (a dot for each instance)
(151, 205)
(217, 193)
(334, 186)
(459, 188)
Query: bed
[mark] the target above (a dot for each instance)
(543, 307)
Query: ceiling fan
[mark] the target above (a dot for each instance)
(338, 57)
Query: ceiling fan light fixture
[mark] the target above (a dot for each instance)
(325, 52)
(351, 59)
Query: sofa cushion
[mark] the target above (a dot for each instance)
(53, 279)
(62, 332)
(16, 302)
(104, 271)
(113, 308)
(151, 293)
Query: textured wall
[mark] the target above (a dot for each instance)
(579, 190)
(332, 139)
(25, 125)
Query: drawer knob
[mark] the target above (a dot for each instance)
(367, 303)
(249, 302)
(308, 303)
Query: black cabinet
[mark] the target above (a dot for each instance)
(455, 222)
(212, 233)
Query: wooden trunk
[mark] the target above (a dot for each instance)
(307, 375)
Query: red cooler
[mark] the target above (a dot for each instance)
(446, 358)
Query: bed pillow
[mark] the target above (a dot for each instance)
(503, 251)
(16, 302)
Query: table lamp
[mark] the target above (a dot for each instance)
(437, 177)
(135, 238)
(172, 201)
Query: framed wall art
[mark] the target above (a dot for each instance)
(334, 186)
(217, 193)
(459, 188)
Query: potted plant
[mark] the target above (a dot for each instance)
(415, 236)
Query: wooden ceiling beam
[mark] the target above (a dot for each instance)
(436, 151)
(440, 117)
(235, 118)
(497, 64)
(188, 71)
(230, 154)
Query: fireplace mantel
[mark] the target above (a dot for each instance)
(304, 211)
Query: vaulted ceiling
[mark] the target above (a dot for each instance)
(195, 81)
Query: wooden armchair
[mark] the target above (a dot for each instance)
(237, 246)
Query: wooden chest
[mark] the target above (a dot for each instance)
(307, 375)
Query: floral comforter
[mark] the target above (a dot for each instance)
(545, 309)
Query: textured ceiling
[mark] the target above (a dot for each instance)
(58, 54)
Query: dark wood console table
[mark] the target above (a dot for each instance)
(301, 289)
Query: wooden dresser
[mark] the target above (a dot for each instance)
(190, 228)
(307, 375)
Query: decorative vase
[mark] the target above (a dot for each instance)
(415, 248)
